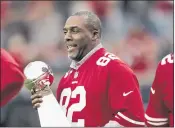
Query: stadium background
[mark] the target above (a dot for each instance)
(139, 32)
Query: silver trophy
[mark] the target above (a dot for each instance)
(39, 78)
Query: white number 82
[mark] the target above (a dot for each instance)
(77, 107)
(104, 60)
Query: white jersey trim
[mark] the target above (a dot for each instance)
(130, 120)
(157, 124)
(74, 82)
(155, 119)
(76, 65)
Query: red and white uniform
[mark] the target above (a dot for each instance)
(101, 90)
(160, 110)
(12, 77)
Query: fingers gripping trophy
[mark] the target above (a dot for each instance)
(39, 78)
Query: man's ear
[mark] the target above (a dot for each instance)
(95, 35)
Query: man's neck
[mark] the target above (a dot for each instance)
(88, 50)
(76, 64)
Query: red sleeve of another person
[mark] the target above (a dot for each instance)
(12, 77)
(124, 97)
(160, 110)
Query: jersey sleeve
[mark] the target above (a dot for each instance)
(12, 80)
(168, 83)
(124, 97)
(160, 104)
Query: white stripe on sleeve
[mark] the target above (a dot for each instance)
(155, 119)
(130, 120)
(157, 123)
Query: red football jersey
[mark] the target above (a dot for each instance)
(101, 90)
(11, 77)
(160, 110)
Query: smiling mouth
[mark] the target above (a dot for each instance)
(71, 46)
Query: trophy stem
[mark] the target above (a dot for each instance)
(51, 113)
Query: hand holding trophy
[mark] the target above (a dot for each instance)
(39, 78)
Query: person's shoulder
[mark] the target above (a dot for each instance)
(7, 58)
(167, 63)
(118, 62)
(119, 65)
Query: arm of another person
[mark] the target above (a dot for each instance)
(160, 106)
(12, 80)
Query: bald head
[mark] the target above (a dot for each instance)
(92, 21)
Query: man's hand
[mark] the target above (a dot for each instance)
(37, 92)
(36, 99)
(36, 95)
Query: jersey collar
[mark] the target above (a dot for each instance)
(76, 65)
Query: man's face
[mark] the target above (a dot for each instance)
(77, 37)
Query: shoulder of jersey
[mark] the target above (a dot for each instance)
(168, 59)
(6, 57)
(119, 64)
(167, 62)
(118, 61)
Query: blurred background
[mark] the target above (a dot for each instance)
(139, 32)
